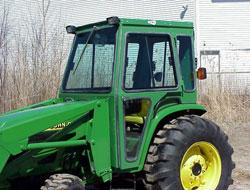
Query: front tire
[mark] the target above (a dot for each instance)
(191, 154)
(63, 182)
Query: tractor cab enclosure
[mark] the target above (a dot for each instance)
(146, 71)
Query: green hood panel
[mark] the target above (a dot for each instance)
(27, 148)
(16, 127)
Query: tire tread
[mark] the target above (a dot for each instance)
(160, 165)
(62, 182)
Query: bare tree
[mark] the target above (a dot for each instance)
(31, 71)
(4, 31)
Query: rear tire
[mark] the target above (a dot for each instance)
(63, 182)
(164, 163)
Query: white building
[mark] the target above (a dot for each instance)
(224, 40)
(222, 26)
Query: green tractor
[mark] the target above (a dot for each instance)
(126, 115)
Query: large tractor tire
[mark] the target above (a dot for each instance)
(190, 154)
(63, 182)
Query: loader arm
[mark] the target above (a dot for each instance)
(22, 153)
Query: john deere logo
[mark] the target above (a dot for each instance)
(59, 126)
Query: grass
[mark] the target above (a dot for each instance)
(226, 106)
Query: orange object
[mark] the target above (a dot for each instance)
(202, 73)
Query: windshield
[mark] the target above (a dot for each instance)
(90, 68)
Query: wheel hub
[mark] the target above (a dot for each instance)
(196, 169)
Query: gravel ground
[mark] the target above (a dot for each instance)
(239, 137)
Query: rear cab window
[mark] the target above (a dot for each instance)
(186, 59)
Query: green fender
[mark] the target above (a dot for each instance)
(163, 113)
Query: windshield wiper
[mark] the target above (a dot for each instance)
(85, 47)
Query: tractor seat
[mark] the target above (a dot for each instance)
(134, 119)
(139, 117)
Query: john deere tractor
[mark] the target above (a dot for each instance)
(126, 116)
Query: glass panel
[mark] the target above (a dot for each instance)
(91, 67)
(131, 61)
(82, 76)
(136, 114)
(103, 65)
(149, 62)
(162, 61)
(184, 44)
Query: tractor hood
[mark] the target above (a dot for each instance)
(31, 143)
(16, 127)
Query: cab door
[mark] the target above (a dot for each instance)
(148, 72)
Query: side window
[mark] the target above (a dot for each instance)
(149, 62)
(184, 44)
(163, 65)
(130, 63)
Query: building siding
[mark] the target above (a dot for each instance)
(224, 24)
(223, 27)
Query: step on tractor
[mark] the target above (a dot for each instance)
(126, 117)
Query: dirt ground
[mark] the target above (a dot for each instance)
(239, 137)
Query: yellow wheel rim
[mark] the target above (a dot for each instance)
(201, 167)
